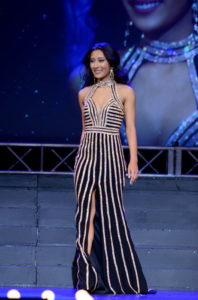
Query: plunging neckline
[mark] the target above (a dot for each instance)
(103, 107)
(114, 98)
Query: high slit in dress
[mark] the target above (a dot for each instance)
(113, 266)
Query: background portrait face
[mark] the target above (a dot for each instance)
(156, 16)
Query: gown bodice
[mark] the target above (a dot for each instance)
(107, 119)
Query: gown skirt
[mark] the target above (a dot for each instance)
(113, 266)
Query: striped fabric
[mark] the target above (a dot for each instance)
(113, 266)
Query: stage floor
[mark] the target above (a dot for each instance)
(69, 294)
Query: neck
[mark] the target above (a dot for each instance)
(177, 32)
(104, 79)
(104, 82)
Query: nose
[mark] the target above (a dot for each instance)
(95, 64)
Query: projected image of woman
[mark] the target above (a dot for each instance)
(163, 68)
(162, 64)
(105, 260)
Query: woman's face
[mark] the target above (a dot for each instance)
(156, 15)
(99, 65)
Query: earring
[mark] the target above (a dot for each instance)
(127, 32)
(195, 15)
(111, 75)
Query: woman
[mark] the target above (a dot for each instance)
(105, 259)
(166, 60)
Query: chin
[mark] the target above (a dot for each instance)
(99, 77)
(150, 26)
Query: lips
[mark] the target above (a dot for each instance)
(97, 71)
(145, 6)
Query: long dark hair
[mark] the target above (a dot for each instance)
(112, 57)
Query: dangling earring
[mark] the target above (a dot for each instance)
(111, 74)
(195, 15)
(94, 80)
(127, 32)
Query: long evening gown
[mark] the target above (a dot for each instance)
(113, 265)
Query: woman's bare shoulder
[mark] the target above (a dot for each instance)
(83, 93)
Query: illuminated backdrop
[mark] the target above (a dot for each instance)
(43, 44)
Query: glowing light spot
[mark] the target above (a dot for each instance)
(44, 16)
(36, 91)
(47, 294)
(26, 116)
(83, 295)
(13, 294)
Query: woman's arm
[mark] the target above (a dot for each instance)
(129, 109)
(81, 99)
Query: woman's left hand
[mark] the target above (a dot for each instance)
(132, 171)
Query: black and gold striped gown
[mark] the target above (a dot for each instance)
(113, 265)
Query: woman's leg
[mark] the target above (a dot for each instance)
(91, 224)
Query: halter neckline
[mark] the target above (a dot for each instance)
(105, 82)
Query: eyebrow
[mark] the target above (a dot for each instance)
(97, 57)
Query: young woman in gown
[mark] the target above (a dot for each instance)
(105, 260)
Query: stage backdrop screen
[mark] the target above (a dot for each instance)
(43, 44)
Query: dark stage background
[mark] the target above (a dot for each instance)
(38, 52)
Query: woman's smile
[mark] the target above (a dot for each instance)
(145, 6)
(97, 71)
